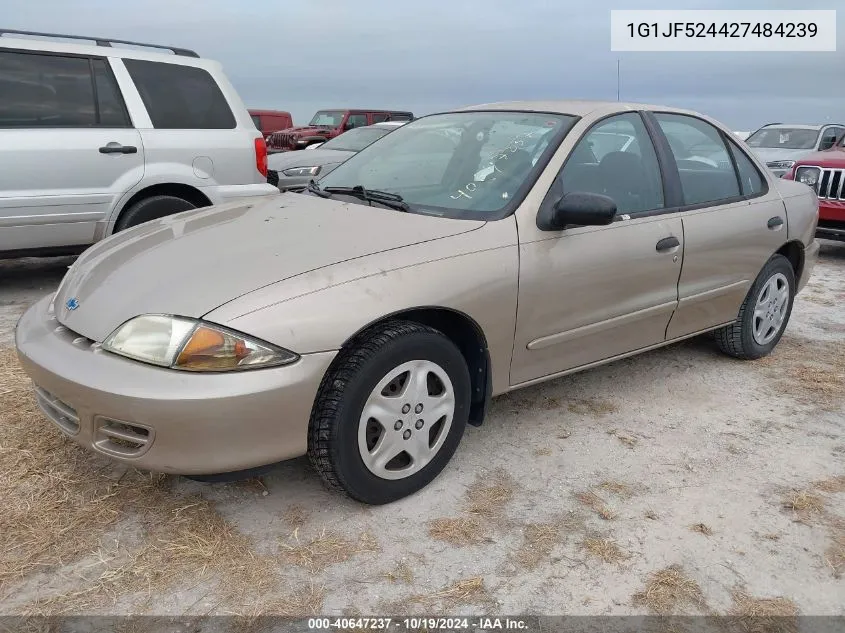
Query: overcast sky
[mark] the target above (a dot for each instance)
(430, 55)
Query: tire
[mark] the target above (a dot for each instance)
(739, 338)
(151, 208)
(369, 373)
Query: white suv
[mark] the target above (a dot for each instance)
(96, 138)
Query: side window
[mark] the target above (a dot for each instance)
(616, 158)
(356, 120)
(750, 178)
(39, 90)
(380, 117)
(180, 97)
(829, 137)
(109, 100)
(704, 165)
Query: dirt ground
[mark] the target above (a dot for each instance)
(679, 481)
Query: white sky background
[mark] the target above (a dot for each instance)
(429, 55)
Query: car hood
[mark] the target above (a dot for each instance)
(770, 154)
(313, 157)
(190, 263)
(834, 158)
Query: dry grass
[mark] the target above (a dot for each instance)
(60, 504)
(835, 554)
(617, 488)
(833, 485)
(458, 531)
(604, 549)
(543, 452)
(811, 370)
(488, 496)
(539, 539)
(701, 528)
(651, 515)
(595, 407)
(764, 615)
(803, 504)
(401, 573)
(669, 590)
(596, 503)
(295, 517)
(628, 441)
(463, 592)
(325, 549)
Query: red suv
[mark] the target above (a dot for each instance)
(824, 172)
(327, 124)
(269, 121)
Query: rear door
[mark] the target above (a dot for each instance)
(67, 148)
(733, 223)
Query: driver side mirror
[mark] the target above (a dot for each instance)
(579, 208)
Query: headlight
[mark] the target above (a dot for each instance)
(808, 175)
(302, 171)
(780, 164)
(192, 345)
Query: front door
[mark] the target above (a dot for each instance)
(591, 293)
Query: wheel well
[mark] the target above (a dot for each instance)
(186, 192)
(794, 252)
(468, 336)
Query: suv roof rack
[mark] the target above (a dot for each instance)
(102, 41)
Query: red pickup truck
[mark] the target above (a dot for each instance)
(825, 173)
(327, 124)
(269, 121)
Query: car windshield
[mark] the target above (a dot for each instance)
(331, 118)
(783, 138)
(355, 140)
(470, 165)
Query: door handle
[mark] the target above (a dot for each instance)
(775, 223)
(118, 149)
(667, 244)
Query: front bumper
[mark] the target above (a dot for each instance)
(831, 220)
(167, 420)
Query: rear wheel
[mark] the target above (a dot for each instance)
(390, 413)
(764, 313)
(152, 208)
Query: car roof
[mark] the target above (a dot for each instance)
(93, 50)
(282, 112)
(574, 107)
(799, 126)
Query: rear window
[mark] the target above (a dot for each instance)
(257, 120)
(180, 97)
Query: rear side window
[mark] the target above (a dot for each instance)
(112, 112)
(180, 97)
(750, 179)
(45, 91)
(704, 165)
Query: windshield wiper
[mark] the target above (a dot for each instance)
(314, 188)
(391, 200)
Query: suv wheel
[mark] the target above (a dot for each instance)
(390, 413)
(151, 208)
(764, 313)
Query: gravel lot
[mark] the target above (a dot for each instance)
(677, 481)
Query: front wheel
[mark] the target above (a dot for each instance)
(764, 313)
(390, 413)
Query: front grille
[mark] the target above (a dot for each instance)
(121, 438)
(832, 184)
(280, 140)
(61, 413)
